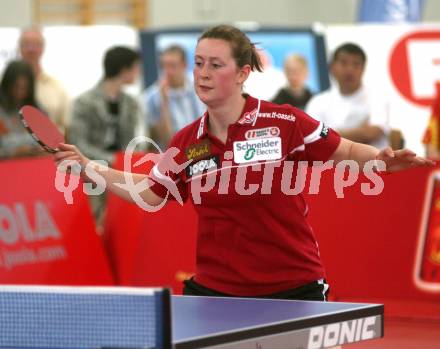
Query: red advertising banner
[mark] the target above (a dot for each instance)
(122, 227)
(43, 239)
(371, 245)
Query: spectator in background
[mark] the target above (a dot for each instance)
(16, 90)
(171, 102)
(50, 94)
(105, 118)
(296, 93)
(347, 107)
(431, 138)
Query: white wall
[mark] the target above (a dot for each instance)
(265, 12)
(431, 11)
(161, 13)
(16, 13)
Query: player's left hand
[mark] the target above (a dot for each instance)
(397, 160)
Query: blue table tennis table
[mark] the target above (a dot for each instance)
(134, 318)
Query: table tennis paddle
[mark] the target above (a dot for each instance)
(41, 128)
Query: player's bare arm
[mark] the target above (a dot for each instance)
(68, 152)
(395, 160)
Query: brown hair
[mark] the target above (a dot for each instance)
(175, 49)
(243, 50)
(13, 71)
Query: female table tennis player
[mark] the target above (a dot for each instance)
(258, 244)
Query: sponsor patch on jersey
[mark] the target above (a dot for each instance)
(262, 132)
(275, 115)
(324, 131)
(248, 117)
(257, 150)
(202, 166)
(198, 151)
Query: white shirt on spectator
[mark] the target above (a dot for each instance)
(349, 111)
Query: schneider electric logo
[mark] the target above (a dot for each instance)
(257, 150)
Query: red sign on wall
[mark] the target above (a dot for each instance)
(415, 66)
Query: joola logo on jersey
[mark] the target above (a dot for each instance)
(257, 149)
(262, 133)
(202, 166)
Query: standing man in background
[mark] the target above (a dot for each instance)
(347, 107)
(51, 95)
(171, 102)
(105, 118)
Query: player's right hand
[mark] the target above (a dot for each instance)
(70, 153)
(398, 160)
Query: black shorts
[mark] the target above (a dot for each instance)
(314, 291)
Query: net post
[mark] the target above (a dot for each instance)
(163, 319)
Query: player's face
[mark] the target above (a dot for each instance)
(347, 70)
(216, 74)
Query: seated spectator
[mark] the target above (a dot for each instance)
(348, 107)
(105, 118)
(16, 90)
(296, 93)
(171, 102)
(50, 94)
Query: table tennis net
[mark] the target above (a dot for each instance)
(59, 317)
